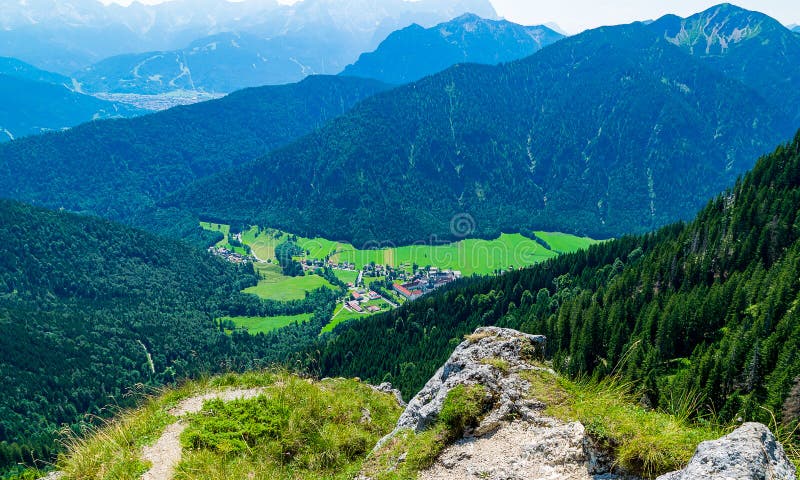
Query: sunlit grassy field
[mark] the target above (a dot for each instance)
(275, 286)
(470, 256)
(255, 325)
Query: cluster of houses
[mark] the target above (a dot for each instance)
(228, 255)
(426, 281)
(359, 297)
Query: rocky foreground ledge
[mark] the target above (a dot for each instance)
(516, 440)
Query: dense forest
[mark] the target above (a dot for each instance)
(705, 311)
(89, 309)
(118, 168)
(612, 131)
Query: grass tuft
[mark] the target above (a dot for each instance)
(498, 363)
(407, 453)
(644, 442)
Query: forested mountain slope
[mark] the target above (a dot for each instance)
(703, 312)
(116, 168)
(748, 46)
(32, 106)
(415, 52)
(17, 68)
(615, 130)
(89, 309)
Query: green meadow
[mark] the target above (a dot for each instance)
(275, 286)
(565, 243)
(256, 325)
(470, 256)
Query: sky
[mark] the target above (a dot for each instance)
(574, 16)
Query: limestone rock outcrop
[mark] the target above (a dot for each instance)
(751, 452)
(514, 440)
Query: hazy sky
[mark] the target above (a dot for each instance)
(577, 15)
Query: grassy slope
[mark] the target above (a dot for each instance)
(317, 422)
(341, 314)
(320, 423)
(275, 286)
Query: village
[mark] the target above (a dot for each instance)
(405, 286)
(229, 255)
(370, 289)
(365, 298)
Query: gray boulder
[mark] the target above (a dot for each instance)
(475, 362)
(387, 387)
(750, 452)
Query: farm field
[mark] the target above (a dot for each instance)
(347, 276)
(564, 243)
(255, 325)
(470, 256)
(275, 286)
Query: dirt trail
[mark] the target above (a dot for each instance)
(165, 453)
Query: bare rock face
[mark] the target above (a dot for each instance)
(750, 452)
(520, 451)
(470, 365)
(514, 440)
(387, 387)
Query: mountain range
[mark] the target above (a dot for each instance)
(63, 37)
(624, 131)
(118, 168)
(228, 61)
(613, 131)
(414, 52)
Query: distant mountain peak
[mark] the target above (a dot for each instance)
(715, 30)
(556, 28)
(415, 52)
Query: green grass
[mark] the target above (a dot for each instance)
(225, 230)
(275, 286)
(463, 407)
(263, 244)
(341, 315)
(218, 227)
(346, 276)
(255, 325)
(565, 243)
(296, 429)
(644, 442)
(470, 256)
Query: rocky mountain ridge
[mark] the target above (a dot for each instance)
(415, 52)
(515, 439)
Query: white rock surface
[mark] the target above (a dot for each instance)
(519, 451)
(750, 452)
(467, 366)
(514, 440)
